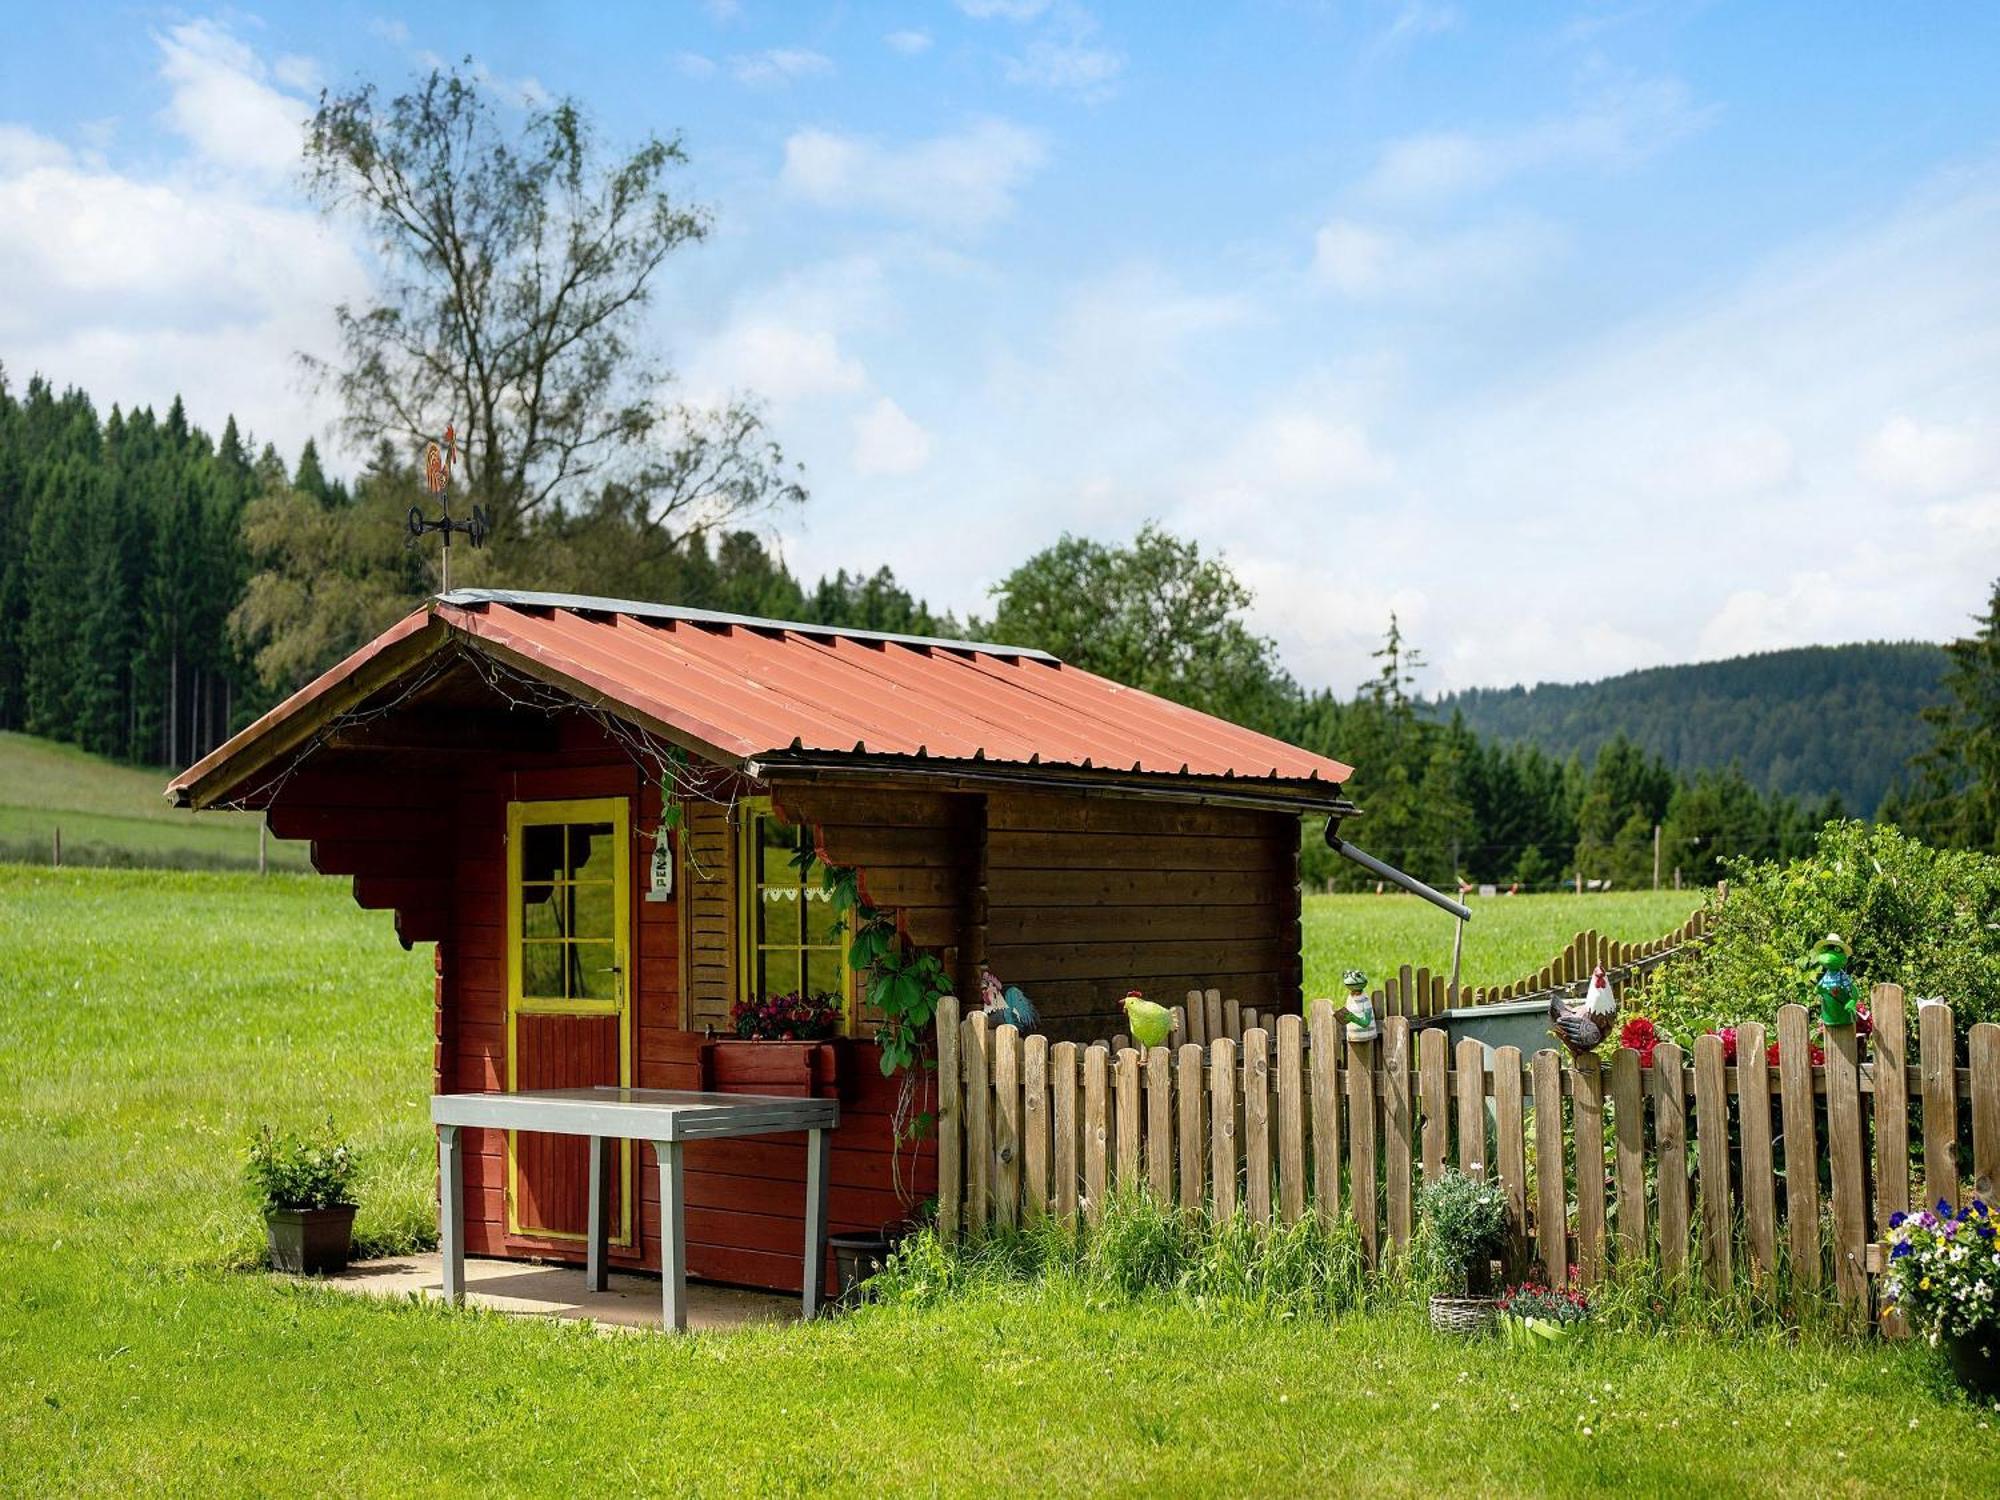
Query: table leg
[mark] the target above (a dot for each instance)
(673, 1238)
(451, 1212)
(818, 1160)
(598, 1234)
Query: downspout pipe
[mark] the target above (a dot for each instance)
(1391, 874)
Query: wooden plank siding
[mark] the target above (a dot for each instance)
(1087, 898)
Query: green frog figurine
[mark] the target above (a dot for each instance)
(1837, 993)
(1360, 1016)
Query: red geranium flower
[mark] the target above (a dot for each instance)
(1642, 1037)
(1728, 1035)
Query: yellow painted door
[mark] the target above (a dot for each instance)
(569, 868)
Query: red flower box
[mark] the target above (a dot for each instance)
(792, 1070)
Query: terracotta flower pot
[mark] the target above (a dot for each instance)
(310, 1241)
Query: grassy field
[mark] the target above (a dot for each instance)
(148, 1020)
(115, 815)
(1508, 936)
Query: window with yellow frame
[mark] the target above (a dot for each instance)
(789, 943)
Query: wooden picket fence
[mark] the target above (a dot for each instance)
(1595, 1156)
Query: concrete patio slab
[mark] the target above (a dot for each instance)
(557, 1291)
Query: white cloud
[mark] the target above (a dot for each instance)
(1918, 458)
(778, 361)
(22, 150)
(958, 183)
(779, 65)
(221, 103)
(909, 43)
(1074, 66)
(1414, 20)
(138, 289)
(1005, 10)
(1368, 261)
(396, 33)
(1613, 130)
(694, 65)
(888, 442)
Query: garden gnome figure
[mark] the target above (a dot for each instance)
(1837, 994)
(1361, 1025)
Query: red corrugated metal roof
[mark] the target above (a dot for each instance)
(761, 690)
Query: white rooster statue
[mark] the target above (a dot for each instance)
(1585, 1028)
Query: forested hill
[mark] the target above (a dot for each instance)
(1806, 722)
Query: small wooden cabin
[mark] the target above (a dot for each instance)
(593, 808)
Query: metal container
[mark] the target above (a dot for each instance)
(1510, 1023)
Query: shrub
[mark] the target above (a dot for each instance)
(1926, 919)
(1461, 1227)
(301, 1171)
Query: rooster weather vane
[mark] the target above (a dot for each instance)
(438, 464)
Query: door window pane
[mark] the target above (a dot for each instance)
(592, 972)
(590, 851)
(591, 911)
(542, 971)
(540, 917)
(778, 972)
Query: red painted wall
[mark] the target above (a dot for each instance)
(745, 1198)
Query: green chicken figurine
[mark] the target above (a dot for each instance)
(1837, 993)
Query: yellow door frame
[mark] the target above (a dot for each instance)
(617, 811)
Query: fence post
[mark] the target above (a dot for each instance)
(1551, 1189)
(1035, 1122)
(1361, 1142)
(1983, 1045)
(1711, 1125)
(1160, 1125)
(1628, 1103)
(1096, 1079)
(1845, 1147)
(1889, 1049)
(1587, 1111)
(1326, 1043)
(1257, 1124)
(1062, 1084)
(1291, 1120)
(1670, 1134)
(951, 1123)
(1222, 1124)
(1433, 1088)
(1753, 1112)
(1126, 1115)
(978, 1125)
(1511, 1153)
(1194, 1153)
(1935, 1049)
(1472, 1159)
(1795, 1100)
(1399, 1125)
(1007, 1125)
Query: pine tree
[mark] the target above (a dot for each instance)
(1956, 802)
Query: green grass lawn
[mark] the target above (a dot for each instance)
(115, 815)
(1507, 938)
(148, 1020)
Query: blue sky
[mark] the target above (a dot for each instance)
(1586, 337)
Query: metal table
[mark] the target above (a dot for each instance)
(667, 1118)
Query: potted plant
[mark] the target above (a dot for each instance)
(792, 1050)
(1533, 1316)
(1944, 1277)
(306, 1184)
(1462, 1227)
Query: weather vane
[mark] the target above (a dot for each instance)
(438, 464)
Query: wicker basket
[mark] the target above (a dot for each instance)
(1462, 1315)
